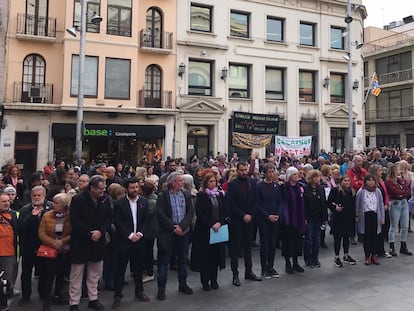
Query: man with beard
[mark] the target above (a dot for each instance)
(29, 220)
(242, 200)
(130, 220)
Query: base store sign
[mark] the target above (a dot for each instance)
(295, 146)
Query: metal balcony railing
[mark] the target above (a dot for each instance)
(391, 77)
(155, 99)
(389, 114)
(393, 40)
(35, 25)
(149, 39)
(40, 93)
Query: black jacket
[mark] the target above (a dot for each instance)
(239, 202)
(316, 205)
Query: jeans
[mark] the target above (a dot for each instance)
(398, 214)
(312, 241)
(268, 232)
(179, 246)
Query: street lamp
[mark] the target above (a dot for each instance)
(348, 21)
(96, 19)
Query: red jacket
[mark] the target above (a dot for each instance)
(357, 177)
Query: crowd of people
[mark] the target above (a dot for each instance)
(86, 224)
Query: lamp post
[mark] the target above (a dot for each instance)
(348, 20)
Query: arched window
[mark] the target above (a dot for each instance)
(34, 77)
(154, 27)
(153, 87)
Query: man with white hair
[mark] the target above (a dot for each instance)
(357, 173)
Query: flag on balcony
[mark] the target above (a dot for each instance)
(375, 89)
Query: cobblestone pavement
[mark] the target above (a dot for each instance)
(389, 286)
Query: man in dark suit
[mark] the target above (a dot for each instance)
(91, 218)
(241, 197)
(175, 213)
(131, 221)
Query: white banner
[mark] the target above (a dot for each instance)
(295, 146)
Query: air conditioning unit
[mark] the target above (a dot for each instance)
(35, 95)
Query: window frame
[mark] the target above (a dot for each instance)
(313, 25)
(235, 89)
(74, 79)
(275, 92)
(90, 9)
(119, 29)
(341, 96)
(282, 28)
(106, 96)
(303, 94)
(240, 13)
(342, 43)
(210, 10)
(210, 78)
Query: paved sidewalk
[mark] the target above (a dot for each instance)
(389, 286)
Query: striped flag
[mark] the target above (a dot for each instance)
(375, 89)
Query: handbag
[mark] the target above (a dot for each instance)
(45, 251)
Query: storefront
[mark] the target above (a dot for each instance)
(111, 143)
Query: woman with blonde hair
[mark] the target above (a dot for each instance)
(54, 231)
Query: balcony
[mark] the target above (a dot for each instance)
(38, 93)
(391, 77)
(34, 27)
(390, 115)
(155, 99)
(161, 43)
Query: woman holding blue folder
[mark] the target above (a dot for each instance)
(211, 214)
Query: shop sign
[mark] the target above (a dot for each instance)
(106, 133)
(253, 123)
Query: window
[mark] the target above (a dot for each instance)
(239, 81)
(117, 78)
(337, 38)
(337, 86)
(119, 18)
(153, 87)
(307, 34)
(274, 29)
(199, 78)
(154, 28)
(201, 18)
(306, 86)
(275, 83)
(239, 24)
(90, 80)
(394, 68)
(34, 76)
(36, 21)
(92, 7)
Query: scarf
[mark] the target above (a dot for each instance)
(212, 192)
(296, 208)
(370, 189)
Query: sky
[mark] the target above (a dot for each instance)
(382, 12)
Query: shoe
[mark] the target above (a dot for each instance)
(392, 250)
(404, 250)
(236, 280)
(368, 261)
(317, 264)
(387, 255)
(251, 276)
(288, 268)
(374, 259)
(96, 305)
(59, 300)
(274, 273)
(338, 262)
(147, 278)
(214, 285)
(117, 303)
(410, 230)
(16, 292)
(23, 301)
(309, 264)
(349, 260)
(46, 306)
(161, 293)
(255, 245)
(74, 308)
(352, 240)
(142, 297)
(266, 274)
(206, 287)
(298, 268)
(185, 289)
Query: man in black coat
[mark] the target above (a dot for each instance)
(131, 222)
(91, 218)
(29, 220)
(241, 197)
(175, 213)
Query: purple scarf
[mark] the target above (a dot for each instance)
(213, 192)
(297, 209)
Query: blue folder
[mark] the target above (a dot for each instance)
(222, 235)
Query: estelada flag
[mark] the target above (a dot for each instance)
(375, 89)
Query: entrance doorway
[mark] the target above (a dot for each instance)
(198, 142)
(25, 152)
(338, 140)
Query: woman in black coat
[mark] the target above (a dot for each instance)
(211, 214)
(341, 202)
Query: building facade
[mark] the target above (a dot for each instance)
(164, 78)
(389, 53)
